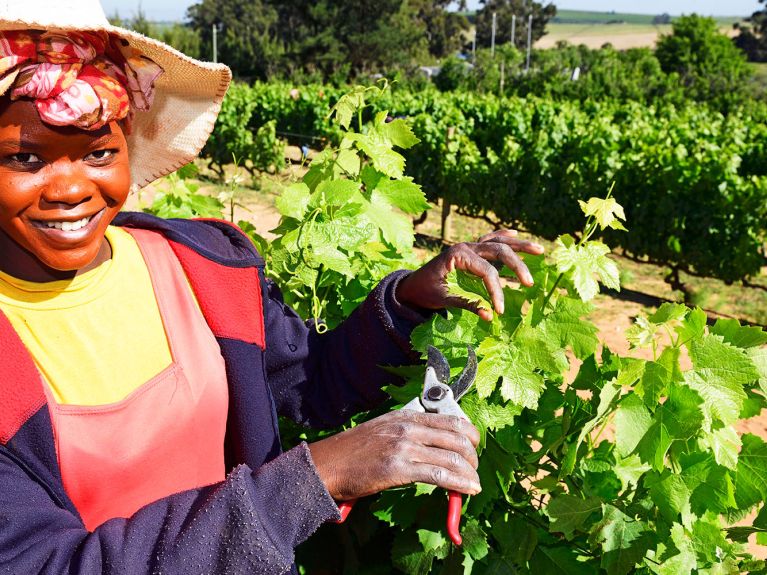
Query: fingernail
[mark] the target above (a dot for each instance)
(477, 487)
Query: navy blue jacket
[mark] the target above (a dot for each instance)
(270, 501)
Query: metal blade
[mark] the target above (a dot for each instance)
(437, 361)
(466, 379)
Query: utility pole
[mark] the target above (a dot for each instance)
(215, 44)
(474, 48)
(514, 30)
(529, 40)
(492, 38)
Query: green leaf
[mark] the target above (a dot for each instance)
(468, 287)
(518, 365)
(582, 263)
(739, 336)
(451, 333)
(404, 194)
(658, 375)
(516, 537)
(624, 540)
(725, 444)
(710, 484)
(759, 357)
(684, 561)
(409, 555)
(565, 326)
(488, 416)
(558, 561)
(384, 159)
(474, 540)
(720, 372)
(678, 419)
(606, 211)
(630, 470)
(751, 473)
(399, 133)
(632, 421)
(670, 494)
(331, 193)
(431, 540)
(693, 327)
(568, 513)
(293, 201)
(669, 312)
(641, 333)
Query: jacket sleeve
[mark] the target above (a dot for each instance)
(322, 379)
(249, 523)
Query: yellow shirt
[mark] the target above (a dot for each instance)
(97, 337)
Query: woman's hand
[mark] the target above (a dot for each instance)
(426, 287)
(399, 448)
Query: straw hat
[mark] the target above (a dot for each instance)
(188, 94)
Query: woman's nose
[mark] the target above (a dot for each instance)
(67, 184)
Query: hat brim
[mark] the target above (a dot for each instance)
(187, 99)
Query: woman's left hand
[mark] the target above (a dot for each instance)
(426, 287)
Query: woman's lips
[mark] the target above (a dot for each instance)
(67, 230)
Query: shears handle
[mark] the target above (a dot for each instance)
(454, 505)
(345, 507)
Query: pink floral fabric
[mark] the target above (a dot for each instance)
(82, 79)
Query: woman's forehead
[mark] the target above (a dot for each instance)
(20, 119)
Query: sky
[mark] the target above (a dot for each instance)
(176, 9)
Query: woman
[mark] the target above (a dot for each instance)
(145, 360)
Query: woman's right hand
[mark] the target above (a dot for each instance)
(399, 448)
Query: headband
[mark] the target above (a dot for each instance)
(81, 79)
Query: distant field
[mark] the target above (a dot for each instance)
(586, 17)
(623, 31)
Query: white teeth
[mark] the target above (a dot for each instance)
(69, 226)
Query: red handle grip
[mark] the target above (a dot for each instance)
(345, 508)
(454, 505)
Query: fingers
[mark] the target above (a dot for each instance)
(446, 478)
(467, 258)
(437, 421)
(509, 237)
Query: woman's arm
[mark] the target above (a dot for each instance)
(249, 523)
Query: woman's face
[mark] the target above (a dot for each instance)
(60, 187)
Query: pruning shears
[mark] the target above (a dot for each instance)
(439, 396)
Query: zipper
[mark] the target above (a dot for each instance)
(28, 470)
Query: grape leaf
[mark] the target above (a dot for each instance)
(293, 201)
(565, 326)
(725, 444)
(630, 470)
(720, 372)
(669, 312)
(330, 193)
(670, 494)
(759, 357)
(582, 262)
(558, 560)
(641, 333)
(468, 287)
(451, 333)
(751, 472)
(624, 540)
(474, 540)
(568, 513)
(403, 194)
(399, 133)
(606, 211)
(739, 336)
(693, 326)
(632, 421)
(658, 375)
(488, 416)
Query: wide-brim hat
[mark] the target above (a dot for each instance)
(188, 94)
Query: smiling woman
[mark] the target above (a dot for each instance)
(145, 361)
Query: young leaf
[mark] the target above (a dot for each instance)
(582, 263)
(740, 336)
(606, 211)
(469, 288)
(565, 326)
(632, 421)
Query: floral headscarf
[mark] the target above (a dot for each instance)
(82, 79)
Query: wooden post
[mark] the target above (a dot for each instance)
(446, 207)
(503, 72)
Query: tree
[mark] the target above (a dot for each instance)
(661, 19)
(247, 34)
(444, 29)
(753, 36)
(708, 64)
(504, 11)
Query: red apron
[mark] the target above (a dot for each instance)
(167, 436)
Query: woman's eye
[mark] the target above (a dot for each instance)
(25, 158)
(100, 155)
